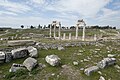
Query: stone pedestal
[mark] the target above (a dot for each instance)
(95, 37)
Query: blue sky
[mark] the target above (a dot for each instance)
(33, 12)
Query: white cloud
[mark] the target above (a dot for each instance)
(66, 11)
(38, 1)
(109, 12)
(83, 7)
(7, 12)
(14, 7)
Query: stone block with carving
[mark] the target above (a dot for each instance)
(30, 63)
(16, 67)
(19, 53)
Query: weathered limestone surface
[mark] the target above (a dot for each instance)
(106, 62)
(75, 63)
(19, 53)
(33, 51)
(8, 56)
(89, 70)
(2, 57)
(61, 48)
(16, 67)
(102, 78)
(30, 63)
(53, 60)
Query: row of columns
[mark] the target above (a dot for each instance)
(54, 23)
(79, 23)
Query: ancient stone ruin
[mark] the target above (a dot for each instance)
(53, 60)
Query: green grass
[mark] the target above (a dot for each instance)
(67, 57)
(89, 32)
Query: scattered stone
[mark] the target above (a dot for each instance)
(111, 55)
(100, 72)
(53, 60)
(53, 74)
(79, 54)
(80, 51)
(8, 56)
(2, 57)
(89, 70)
(58, 76)
(30, 63)
(61, 48)
(33, 51)
(81, 60)
(106, 62)
(102, 78)
(16, 67)
(41, 65)
(96, 56)
(64, 66)
(81, 69)
(86, 60)
(75, 63)
(97, 49)
(19, 53)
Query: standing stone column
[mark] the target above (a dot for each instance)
(69, 36)
(95, 37)
(59, 33)
(64, 35)
(50, 30)
(77, 32)
(54, 30)
(83, 36)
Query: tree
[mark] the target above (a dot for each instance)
(48, 25)
(39, 26)
(44, 27)
(32, 27)
(114, 27)
(22, 26)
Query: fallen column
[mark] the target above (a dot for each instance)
(106, 62)
(90, 70)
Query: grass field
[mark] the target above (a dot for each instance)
(67, 56)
